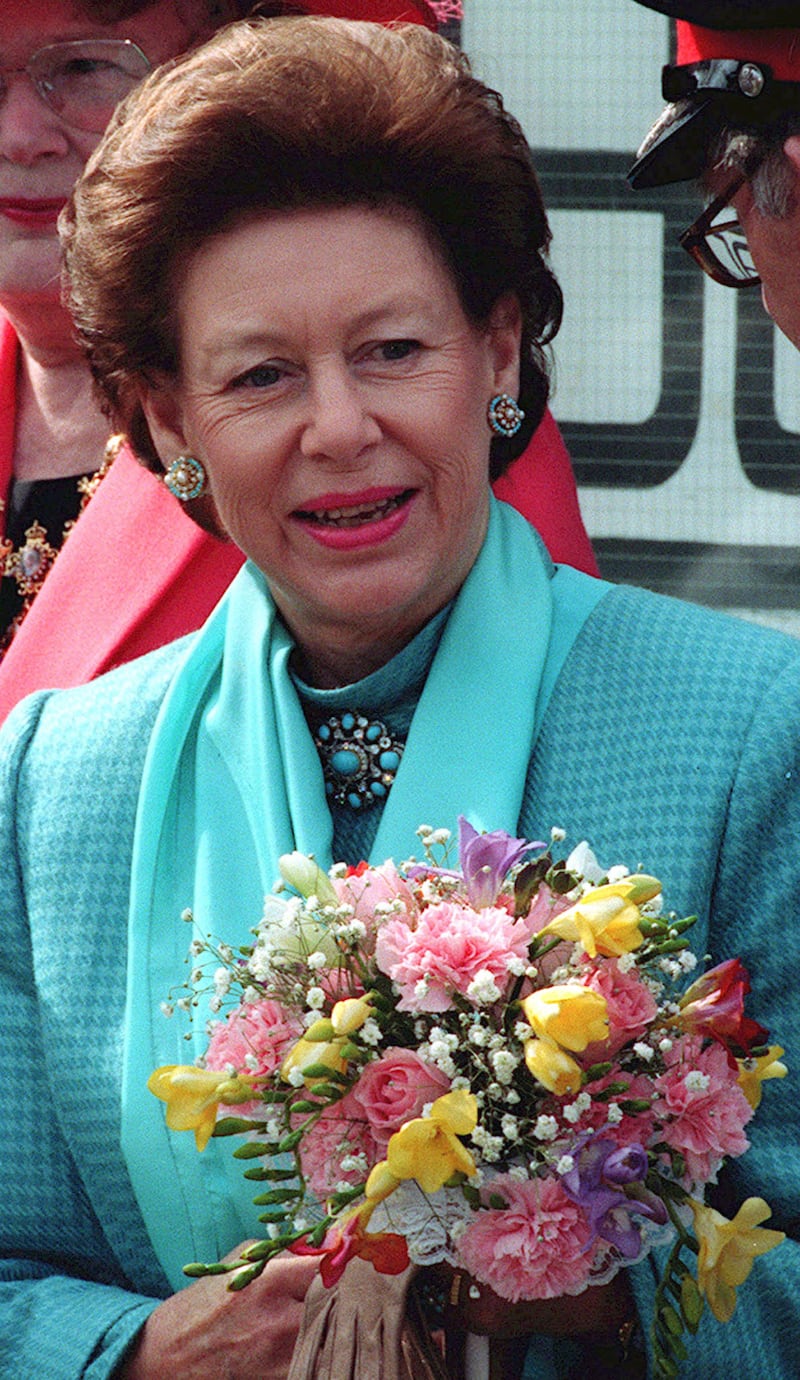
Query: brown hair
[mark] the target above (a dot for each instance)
(288, 113)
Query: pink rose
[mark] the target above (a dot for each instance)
(630, 1003)
(450, 946)
(394, 1090)
(341, 1131)
(702, 1109)
(366, 887)
(253, 1039)
(537, 1247)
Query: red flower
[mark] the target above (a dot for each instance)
(714, 1006)
(385, 1250)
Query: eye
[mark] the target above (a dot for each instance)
(263, 376)
(398, 349)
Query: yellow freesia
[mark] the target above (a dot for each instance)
(350, 1014)
(606, 919)
(754, 1072)
(728, 1250)
(428, 1149)
(305, 1053)
(552, 1067)
(380, 1184)
(571, 1016)
(193, 1096)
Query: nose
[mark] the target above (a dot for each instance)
(29, 129)
(339, 424)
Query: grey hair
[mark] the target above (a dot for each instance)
(774, 181)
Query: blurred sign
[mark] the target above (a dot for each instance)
(679, 401)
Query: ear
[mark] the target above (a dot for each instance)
(792, 150)
(505, 335)
(164, 419)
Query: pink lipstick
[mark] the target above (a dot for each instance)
(33, 213)
(345, 522)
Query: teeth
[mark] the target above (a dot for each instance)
(357, 512)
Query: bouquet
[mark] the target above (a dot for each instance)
(498, 1065)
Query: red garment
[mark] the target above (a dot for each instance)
(136, 572)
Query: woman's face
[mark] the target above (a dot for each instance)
(41, 157)
(336, 394)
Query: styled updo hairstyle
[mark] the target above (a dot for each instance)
(289, 113)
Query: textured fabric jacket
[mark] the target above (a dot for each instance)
(672, 739)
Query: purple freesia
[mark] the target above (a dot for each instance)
(486, 860)
(607, 1180)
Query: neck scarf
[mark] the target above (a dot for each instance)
(232, 780)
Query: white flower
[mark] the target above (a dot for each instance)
(370, 1032)
(626, 962)
(510, 1127)
(504, 1063)
(516, 966)
(565, 1164)
(618, 873)
(483, 989)
(519, 1173)
(665, 1045)
(614, 1113)
(250, 995)
(478, 1035)
(295, 1077)
(421, 989)
(687, 960)
(574, 1110)
(250, 1062)
(222, 982)
(273, 1230)
(582, 861)
(644, 1051)
(167, 1009)
(558, 834)
(491, 1147)
(697, 1081)
(546, 1128)
(316, 960)
(187, 915)
(439, 836)
(315, 998)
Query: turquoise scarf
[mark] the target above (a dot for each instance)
(232, 780)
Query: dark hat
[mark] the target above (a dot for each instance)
(737, 64)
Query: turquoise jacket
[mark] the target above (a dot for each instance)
(672, 738)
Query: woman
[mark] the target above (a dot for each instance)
(331, 350)
(101, 610)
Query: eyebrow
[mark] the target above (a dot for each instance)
(244, 338)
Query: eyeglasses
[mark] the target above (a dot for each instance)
(717, 242)
(83, 81)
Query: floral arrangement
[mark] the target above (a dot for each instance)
(494, 1065)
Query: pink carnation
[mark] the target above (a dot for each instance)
(535, 1248)
(253, 1039)
(395, 1088)
(702, 1118)
(631, 1007)
(451, 944)
(342, 1130)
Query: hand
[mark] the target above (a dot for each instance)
(208, 1332)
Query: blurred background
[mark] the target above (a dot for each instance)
(678, 400)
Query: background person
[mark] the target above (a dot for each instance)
(733, 123)
(322, 349)
(137, 571)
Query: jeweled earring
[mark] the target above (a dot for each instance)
(505, 417)
(186, 478)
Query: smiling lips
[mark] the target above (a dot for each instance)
(365, 519)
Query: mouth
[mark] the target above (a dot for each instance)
(342, 515)
(34, 211)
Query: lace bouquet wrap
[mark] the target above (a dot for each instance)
(498, 1065)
